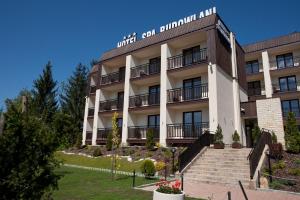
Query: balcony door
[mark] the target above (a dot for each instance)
(154, 65)
(120, 100)
(191, 56)
(192, 88)
(121, 73)
(153, 121)
(192, 124)
(154, 95)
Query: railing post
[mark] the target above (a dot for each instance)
(133, 179)
(181, 181)
(244, 193)
(270, 168)
(258, 178)
(229, 195)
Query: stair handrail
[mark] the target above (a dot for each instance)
(257, 151)
(194, 149)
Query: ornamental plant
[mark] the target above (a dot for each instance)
(235, 137)
(292, 134)
(148, 168)
(218, 137)
(166, 187)
(150, 139)
(160, 165)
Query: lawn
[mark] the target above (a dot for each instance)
(91, 185)
(99, 162)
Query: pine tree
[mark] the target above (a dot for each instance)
(292, 135)
(44, 95)
(73, 96)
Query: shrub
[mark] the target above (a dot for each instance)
(150, 139)
(160, 165)
(235, 137)
(97, 152)
(109, 142)
(276, 185)
(165, 187)
(167, 154)
(278, 165)
(274, 138)
(157, 144)
(218, 137)
(149, 154)
(148, 168)
(294, 171)
(256, 133)
(292, 135)
(297, 161)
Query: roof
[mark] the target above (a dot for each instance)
(274, 42)
(163, 36)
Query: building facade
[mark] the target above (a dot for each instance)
(187, 80)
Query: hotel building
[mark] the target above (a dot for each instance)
(188, 79)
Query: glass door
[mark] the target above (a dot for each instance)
(192, 89)
(154, 95)
(192, 124)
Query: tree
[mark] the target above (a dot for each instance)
(218, 137)
(27, 161)
(256, 133)
(115, 143)
(44, 95)
(150, 143)
(292, 135)
(72, 98)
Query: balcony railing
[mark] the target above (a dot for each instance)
(102, 133)
(89, 135)
(277, 88)
(140, 132)
(114, 77)
(93, 89)
(274, 64)
(144, 100)
(188, 60)
(188, 93)
(144, 70)
(110, 105)
(91, 112)
(186, 131)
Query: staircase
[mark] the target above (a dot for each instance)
(223, 166)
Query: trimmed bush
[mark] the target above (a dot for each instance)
(274, 138)
(235, 137)
(109, 142)
(97, 152)
(218, 137)
(148, 168)
(160, 165)
(150, 139)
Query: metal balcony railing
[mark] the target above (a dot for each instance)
(185, 131)
(93, 89)
(109, 105)
(188, 93)
(89, 135)
(114, 77)
(141, 100)
(187, 60)
(140, 132)
(102, 133)
(145, 70)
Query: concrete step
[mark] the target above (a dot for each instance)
(218, 162)
(219, 165)
(218, 173)
(208, 170)
(228, 182)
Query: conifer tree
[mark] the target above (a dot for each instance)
(292, 135)
(44, 95)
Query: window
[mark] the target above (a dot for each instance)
(192, 88)
(252, 67)
(290, 106)
(120, 122)
(191, 55)
(284, 60)
(288, 83)
(154, 95)
(154, 65)
(254, 88)
(192, 124)
(153, 121)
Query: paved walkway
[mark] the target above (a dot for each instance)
(219, 192)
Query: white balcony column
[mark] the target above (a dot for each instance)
(267, 77)
(235, 87)
(212, 96)
(165, 53)
(95, 123)
(85, 119)
(129, 64)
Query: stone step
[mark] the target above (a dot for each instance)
(218, 173)
(219, 165)
(230, 182)
(202, 170)
(218, 178)
(199, 162)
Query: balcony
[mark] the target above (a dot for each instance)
(181, 61)
(110, 105)
(287, 89)
(185, 133)
(248, 109)
(287, 64)
(91, 112)
(188, 93)
(145, 70)
(93, 89)
(144, 100)
(115, 77)
(102, 134)
(137, 134)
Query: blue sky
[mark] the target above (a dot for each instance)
(67, 32)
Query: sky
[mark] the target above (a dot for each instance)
(67, 32)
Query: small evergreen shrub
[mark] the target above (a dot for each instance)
(274, 138)
(97, 152)
(292, 135)
(235, 137)
(294, 171)
(150, 139)
(148, 168)
(278, 165)
(218, 137)
(256, 133)
(109, 142)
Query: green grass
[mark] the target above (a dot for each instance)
(99, 162)
(82, 184)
